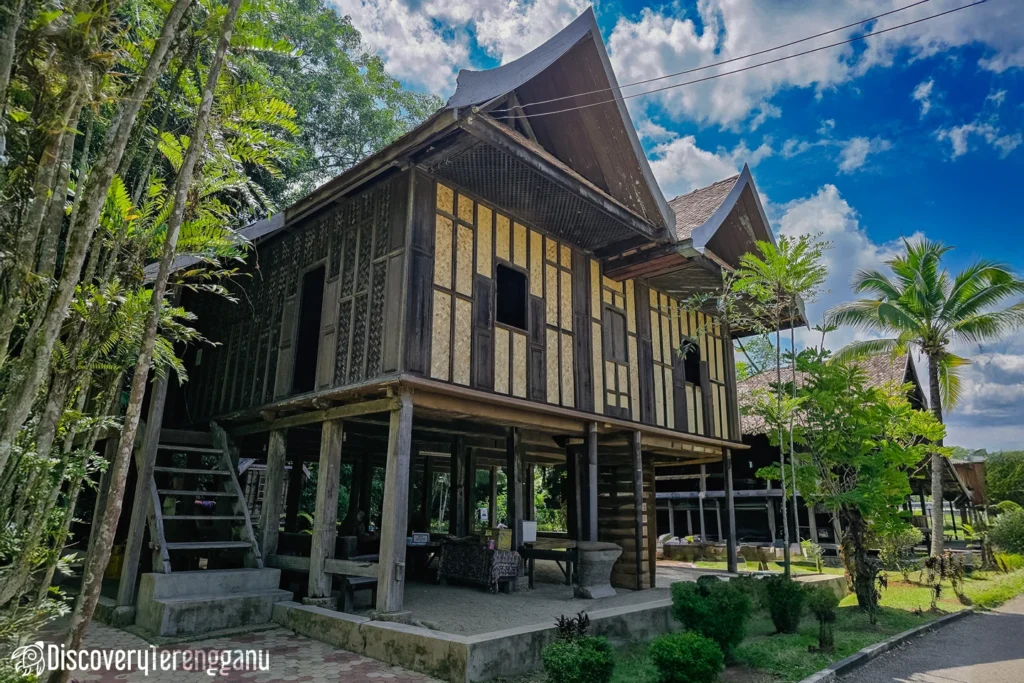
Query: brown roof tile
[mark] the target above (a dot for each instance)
(695, 208)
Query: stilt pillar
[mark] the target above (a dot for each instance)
(457, 497)
(291, 506)
(515, 468)
(325, 529)
(730, 510)
(391, 570)
(638, 508)
(590, 500)
(428, 492)
(145, 462)
(671, 520)
(700, 502)
(492, 503)
(273, 491)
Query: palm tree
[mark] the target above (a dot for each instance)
(920, 305)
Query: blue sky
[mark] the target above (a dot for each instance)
(916, 132)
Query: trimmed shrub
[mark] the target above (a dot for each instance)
(750, 585)
(784, 599)
(823, 603)
(896, 547)
(686, 658)
(1007, 533)
(715, 609)
(582, 660)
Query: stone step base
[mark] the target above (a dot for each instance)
(196, 614)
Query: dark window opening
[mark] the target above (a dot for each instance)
(615, 336)
(511, 297)
(691, 361)
(307, 342)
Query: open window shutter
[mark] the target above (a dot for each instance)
(286, 349)
(326, 352)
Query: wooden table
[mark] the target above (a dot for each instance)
(557, 550)
(421, 555)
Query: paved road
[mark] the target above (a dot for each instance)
(982, 648)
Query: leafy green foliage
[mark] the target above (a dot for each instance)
(715, 609)
(896, 544)
(784, 599)
(1004, 476)
(686, 657)
(1007, 532)
(581, 660)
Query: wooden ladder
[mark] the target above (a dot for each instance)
(223, 489)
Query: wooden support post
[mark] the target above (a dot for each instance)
(572, 486)
(492, 504)
(730, 511)
(469, 491)
(700, 502)
(391, 570)
(531, 493)
(963, 515)
(515, 456)
(952, 516)
(718, 520)
(671, 520)
(457, 496)
(428, 492)
(812, 521)
(145, 462)
(325, 530)
(769, 506)
(291, 506)
(638, 508)
(270, 513)
(924, 511)
(689, 523)
(590, 502)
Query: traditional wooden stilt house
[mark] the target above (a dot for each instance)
(499, 288)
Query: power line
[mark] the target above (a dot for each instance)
(721, 63)
(746, 68)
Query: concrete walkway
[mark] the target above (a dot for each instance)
(291, 658)
(982, 648)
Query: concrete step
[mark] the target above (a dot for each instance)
(215, 582)
(197, 614)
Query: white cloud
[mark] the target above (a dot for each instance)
(923, 93)
(960, 137)
(992, 401)
(767, 111)
(996, 97)
(681, 166)
(669, 40)
(649, 130)
(855, 151)
(827, 213)
(425, 42)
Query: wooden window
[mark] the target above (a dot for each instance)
(691, 361)
(510, 297)
(615, 335)
(306, 348)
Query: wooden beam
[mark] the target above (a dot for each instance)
(331, 566)
(428, 492)
(145, 462)
(510, 411)
(325, 530)
(379, 405)
(492, 503)
(273, 491)
(469, 490)
(391, 573)
(291, 509)
(638, 509)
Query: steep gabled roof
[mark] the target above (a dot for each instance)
(596, 138)
(697, 207)
(880, 370)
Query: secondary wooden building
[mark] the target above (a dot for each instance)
(501, 287)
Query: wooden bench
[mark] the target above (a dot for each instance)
(357, 583)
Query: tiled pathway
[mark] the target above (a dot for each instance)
(291, 657)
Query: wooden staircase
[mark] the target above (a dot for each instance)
(198, 507)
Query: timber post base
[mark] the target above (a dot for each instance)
(330, 603)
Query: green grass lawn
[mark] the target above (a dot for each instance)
(767, 656)
(799, 567)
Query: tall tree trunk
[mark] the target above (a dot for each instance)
(8, 43)
(93, 573)
(862, 567)
(24, 384)
(938, 461)
(792, 450)
(786, 560)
